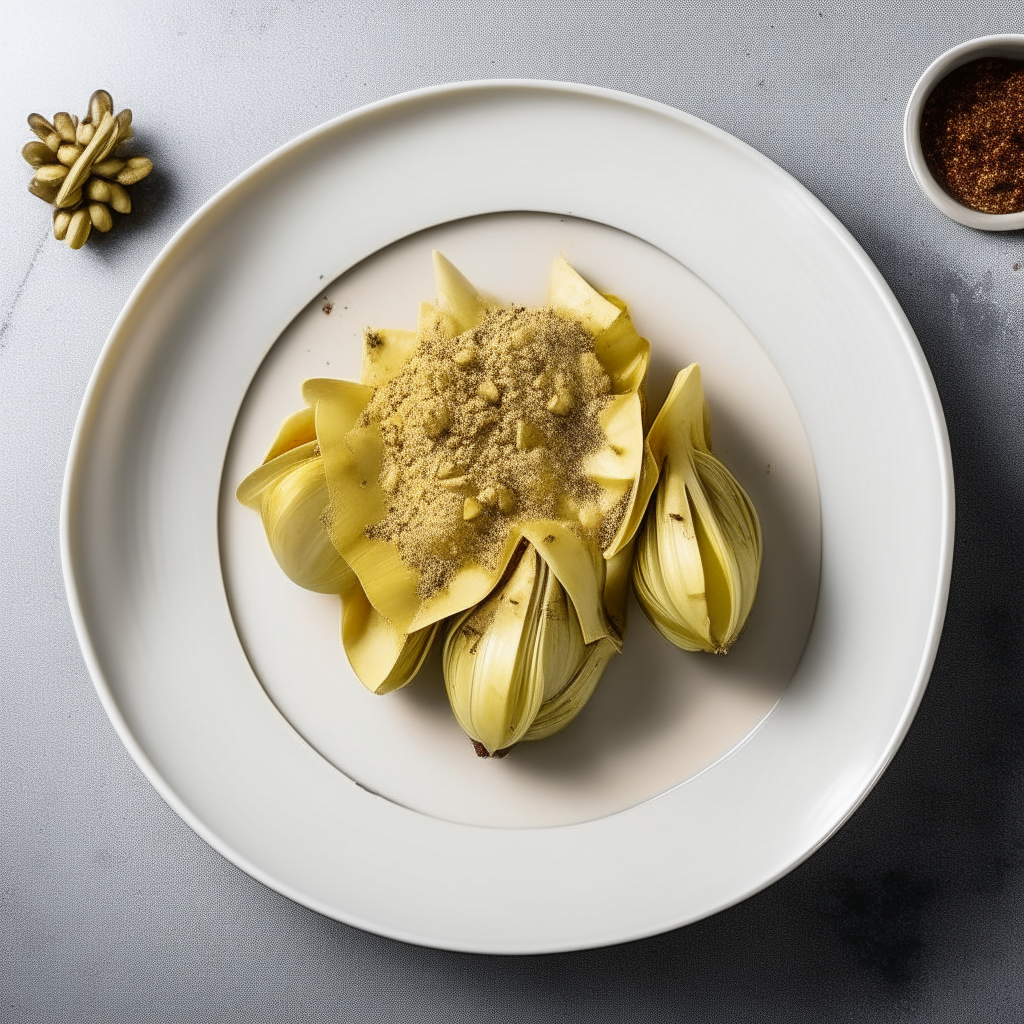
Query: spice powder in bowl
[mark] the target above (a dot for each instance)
(972, 134)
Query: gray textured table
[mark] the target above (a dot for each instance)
(113, 910)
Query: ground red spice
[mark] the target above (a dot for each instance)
(972, 134)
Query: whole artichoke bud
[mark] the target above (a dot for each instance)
(699, 551)
(517, 666)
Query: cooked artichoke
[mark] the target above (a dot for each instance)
(323, 478)
(518, 666)
(699, 552)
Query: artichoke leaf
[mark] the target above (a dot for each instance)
(729, 539)
(555, 714)
(616, 465)
(559, 647)
(668, 575)
(683, 419)
(297, 429)
(352, 461)
(250, 491)
(569, 292)
(683, 422)
(337, 404)
(493, 695)
(616, 592)
(617, 345)
(385, 353)
(456, 296)
(578, 567)
(469, 586)
(383, 659)
(636, 506)
(622, 467)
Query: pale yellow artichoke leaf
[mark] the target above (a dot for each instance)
(337, 404)
(557, 712)
(570, 294)
(622, 467)
(683, 419)
(250, 491)
(457, 297)
(726, 524)
(383, 659)
(624, 355)
(468, 587)
(558, 648)
(668, 573)
(385, 354)
(297, 429)
(616, 465)
(620, 350)
(352, 462)
(578, 566)
(636, 505)
(616, 592)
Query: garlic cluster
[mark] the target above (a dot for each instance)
(77, 172)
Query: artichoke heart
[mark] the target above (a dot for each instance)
(699, 550)
(510, 661)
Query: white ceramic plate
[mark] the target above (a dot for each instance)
(687, 784)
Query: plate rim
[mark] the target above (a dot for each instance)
(117, 338)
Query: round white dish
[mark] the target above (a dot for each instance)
(142, 517)
(1008, 45)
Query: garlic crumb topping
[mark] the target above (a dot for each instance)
(490, 427)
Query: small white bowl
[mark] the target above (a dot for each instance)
(1011, 46)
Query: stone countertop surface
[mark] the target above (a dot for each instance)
(113, 909)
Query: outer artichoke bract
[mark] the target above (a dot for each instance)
(699, 552)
